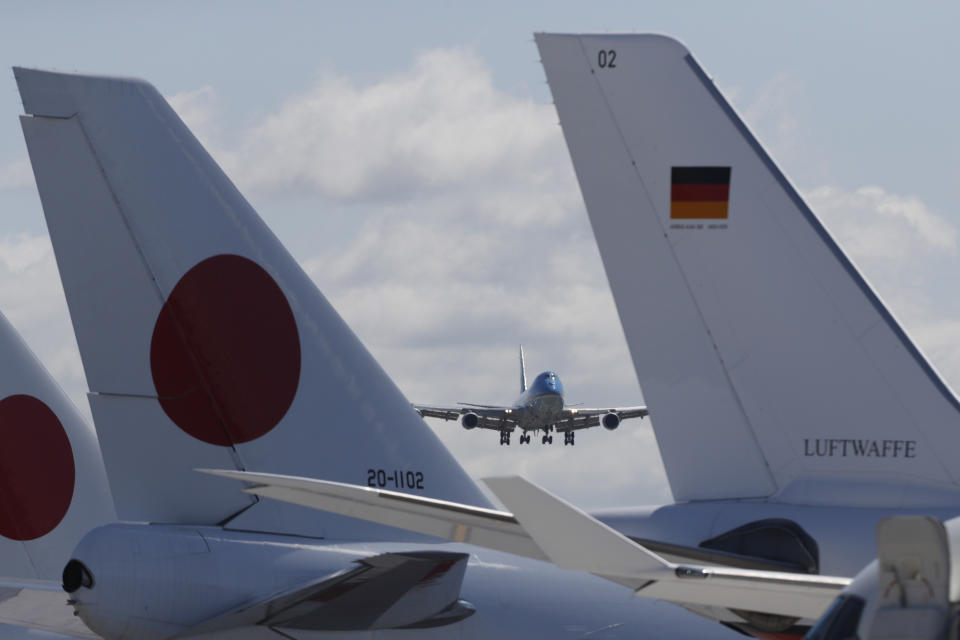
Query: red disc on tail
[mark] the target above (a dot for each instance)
(37, 472)
(225, 354)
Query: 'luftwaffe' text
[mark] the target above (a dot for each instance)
(849, 448)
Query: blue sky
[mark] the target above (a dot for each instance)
(442, 265)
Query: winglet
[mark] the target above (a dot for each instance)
(560, 530)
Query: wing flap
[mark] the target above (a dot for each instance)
(584, 418)
(494, 418)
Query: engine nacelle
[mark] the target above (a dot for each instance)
(469, 420)
(610, 421)
(147, 582)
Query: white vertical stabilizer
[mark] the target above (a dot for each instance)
(53, 488)
(203, 341)
(523, 372)
(770, 366)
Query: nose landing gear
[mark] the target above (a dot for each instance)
(505, 437)
(568, 438)
(525, 438)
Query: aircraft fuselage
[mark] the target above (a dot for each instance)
(153, 582)
(541, 404)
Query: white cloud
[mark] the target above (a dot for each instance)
(16, 175)
(32, 299)
(198, 109)
(23, 251)
(772, 113)
(875, 225)
(442, 123)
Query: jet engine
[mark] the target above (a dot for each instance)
(469, 420)
(610, 421)
(152, 582)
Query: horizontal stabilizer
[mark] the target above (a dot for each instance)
(448, 520)
(562, 530)
(391, 590)
(41, 606)
(574, 540)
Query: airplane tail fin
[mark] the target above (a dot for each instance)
(53, 488)
(770, 366)
(203, 341)
(523, 372)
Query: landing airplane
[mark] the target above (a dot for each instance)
(204, 344)
(540, 407)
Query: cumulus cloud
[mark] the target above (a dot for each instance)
(876, 225)
(442, 123)
(16, 175)
(198, 109)
(32, 299)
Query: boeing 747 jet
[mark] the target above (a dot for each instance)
(540, 407)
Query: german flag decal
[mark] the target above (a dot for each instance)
(698, 193)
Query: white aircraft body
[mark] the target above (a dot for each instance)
(792, 411)
(540, 407)
(205, 345)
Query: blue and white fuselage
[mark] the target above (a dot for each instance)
(541, 404)
(540, 407)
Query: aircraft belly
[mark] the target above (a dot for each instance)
(543, 410)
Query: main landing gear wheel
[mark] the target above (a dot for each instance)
(568, 438)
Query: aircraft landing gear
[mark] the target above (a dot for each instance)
(546, 439)
(525, 438)
(505, 437)
(568, 438)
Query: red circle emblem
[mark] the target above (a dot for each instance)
(225, 353)
(38, 469)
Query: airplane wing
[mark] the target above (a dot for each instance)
(546, 527)
(490, 417)
(576, 418)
